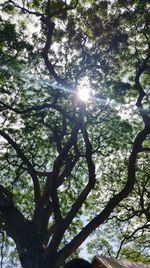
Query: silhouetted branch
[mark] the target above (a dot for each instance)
(23, 9)
(37, 108)
(48, 64)
(114, 201)
(127, 237)
(140, 69)
(26, 162)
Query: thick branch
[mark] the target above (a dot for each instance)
(54, 181)
(25, 10)
(139, 72)
(91, 182)
(58, 162)
(43, 219)
(145, 149)
(59, 231)
(68, 169)
(50, 25)
(16, 224)
(51, 190)
(56, 168)
(114, 201)
(26, 161)
(48, 64)
(37, 108)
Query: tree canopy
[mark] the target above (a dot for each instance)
(72, 167)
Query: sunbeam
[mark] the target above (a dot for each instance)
(83, 92)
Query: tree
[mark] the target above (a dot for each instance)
(59, 154)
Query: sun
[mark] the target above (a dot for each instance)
(84, 93)
(84, 89)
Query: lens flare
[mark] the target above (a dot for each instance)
(84, 93)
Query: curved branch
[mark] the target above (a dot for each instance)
(44, 105)
(114, 201)
(58, 163)
(59, 232)
(25, 10)
(68, 169)
(145, 226)
(56, 168)
(48, 64)
(51, 190)
(30, 168)
(54, 179)
(139, 87)
(91, 183)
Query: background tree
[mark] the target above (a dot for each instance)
(67, 165)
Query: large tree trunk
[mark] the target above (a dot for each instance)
(34, 258)
(31, 258)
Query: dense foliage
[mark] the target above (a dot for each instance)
(71, 168)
